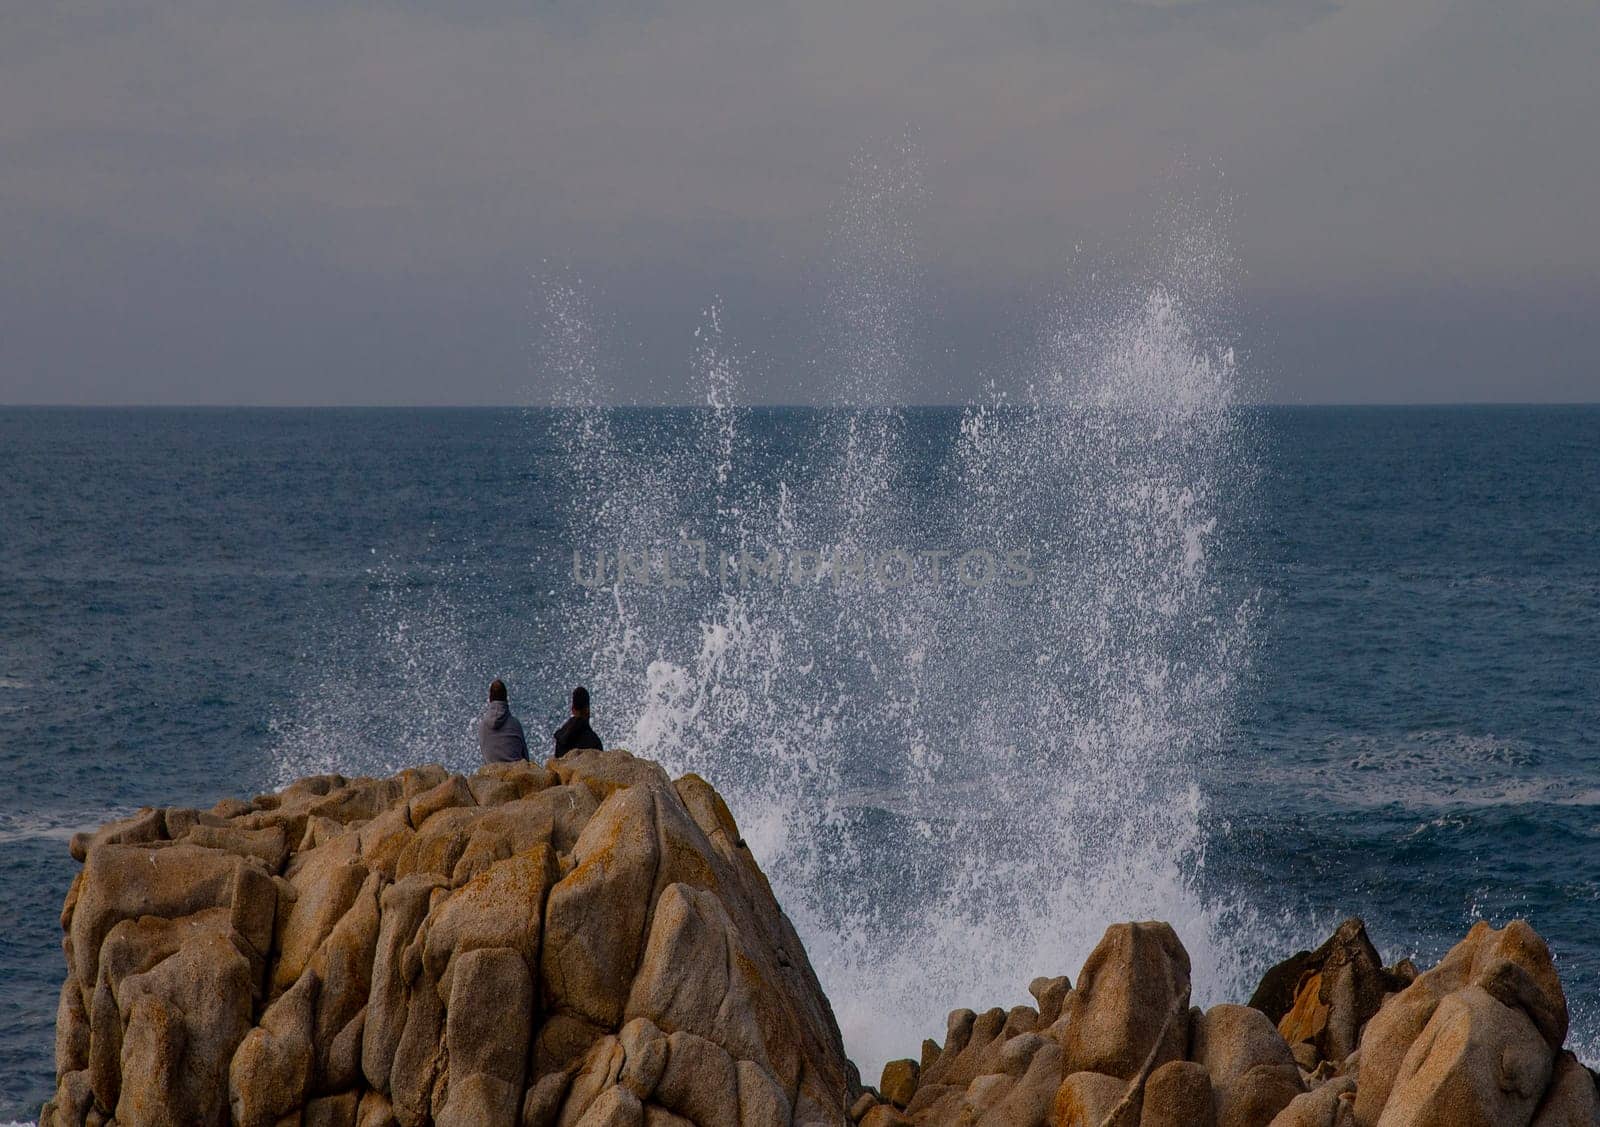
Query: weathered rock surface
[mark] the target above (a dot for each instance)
(1475, 1040)
(590, 944)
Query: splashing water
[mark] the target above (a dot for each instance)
(953, 789)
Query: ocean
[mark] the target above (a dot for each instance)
(1249, 669)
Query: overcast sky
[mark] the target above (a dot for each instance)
(327, 202)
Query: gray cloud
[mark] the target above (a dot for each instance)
(344, 202)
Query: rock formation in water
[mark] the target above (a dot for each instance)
(1332, 1038)
(590, 944)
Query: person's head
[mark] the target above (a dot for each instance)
(497, 690)
(580, 701)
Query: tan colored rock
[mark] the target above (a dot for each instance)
(528, 778)
(562, 1041)
(692, 937)
(1384, 1044)
(553, 816)
(1325, 997)
(72, 1103)
(700, 1082)
(972, 1048)
(380, 842)
(338, 1061)
(415, 780)
(500, 907)
(1570, 1100)
(419, 1056)
(1253, 1073)
(599, 1071)
(489, 1018)
(1178, 1094)
(437, 847)
(182, 1020)
(984, 1094)
(1029, 1098)
(375, 1110)
(644, 1057)
(326, 884)
(595, 922)
(478, 1099)
(884, 1115)
(343, 965)
(1305, 1055)
(105, 1045)
(1017, 1052)
(453, 792)
(899, 1082)
(660, 1117)
(358, 800)
(147, 825)
(1476, 1063)
(1133, 980)
(1331, 1105)
(1087, 1099)
(761, 1099)
(266, 844)
(1533, 988)
(270, 1073)
(125, 882)
(1050, 993)
(448, 949)
(541, 1105)
(403, 905)
(616, 1107)
(606, 772)
(72, 1029)
(332, 1111)
(153, 1047)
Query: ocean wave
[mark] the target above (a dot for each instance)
(53, 827)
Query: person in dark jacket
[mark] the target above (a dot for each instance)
(575, 734)
(500, 737)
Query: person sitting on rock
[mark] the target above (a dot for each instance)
(575, 734)
(500, 737)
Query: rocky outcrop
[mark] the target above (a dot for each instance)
(1332, 1038)
(590, 944)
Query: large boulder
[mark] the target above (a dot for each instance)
(1571, 1100)
(1477, 1063)
(1253, 1074)
(1511, 966)
(1131, 1003)
(1325, 997)
(590, 942)
(1178, 1094)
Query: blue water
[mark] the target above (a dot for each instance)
(196, 602)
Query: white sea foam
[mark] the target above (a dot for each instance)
(953, 791)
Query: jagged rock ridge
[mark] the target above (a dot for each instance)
(590, 944)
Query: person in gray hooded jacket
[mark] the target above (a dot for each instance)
(500, 736)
